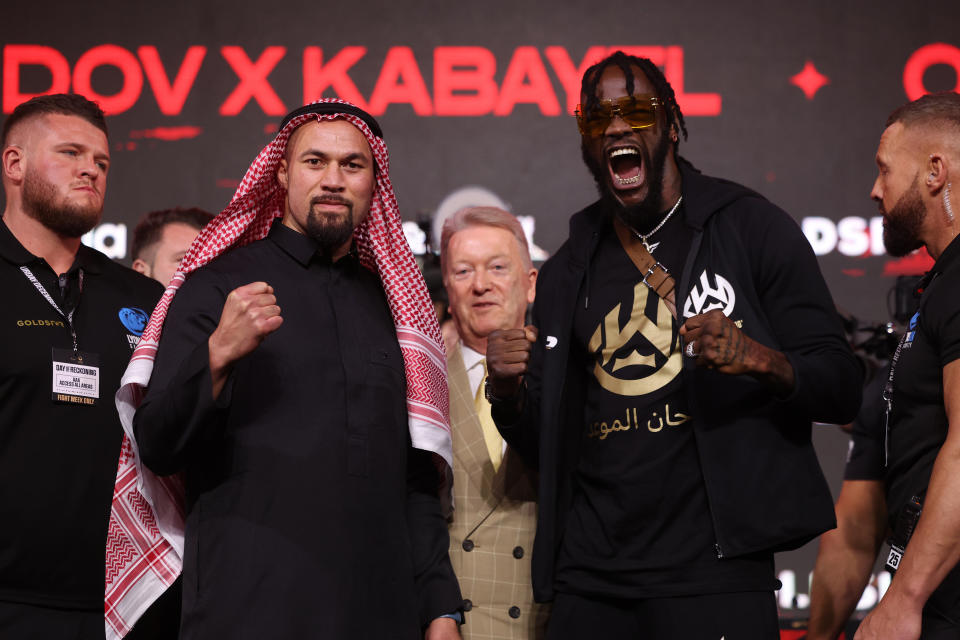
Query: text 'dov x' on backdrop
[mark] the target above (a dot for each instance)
(789, 100)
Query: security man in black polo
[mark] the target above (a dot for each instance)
(918, 156)
(68, 325)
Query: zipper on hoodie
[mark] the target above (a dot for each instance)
(586, 288)
(685, 276)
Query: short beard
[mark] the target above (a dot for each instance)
(330, 232)
(902, 224)
(67, 220)
(644, 215)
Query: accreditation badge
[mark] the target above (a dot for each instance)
(76, 377)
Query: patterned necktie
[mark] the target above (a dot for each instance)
(491, 436)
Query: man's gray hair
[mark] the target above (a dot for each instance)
(482, 217)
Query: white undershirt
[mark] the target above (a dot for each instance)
(472, 361)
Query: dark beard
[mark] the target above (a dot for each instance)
(644, 215)
(328, 231)
(901, 225)
(67, 220)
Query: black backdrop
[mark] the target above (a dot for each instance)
(480, 94)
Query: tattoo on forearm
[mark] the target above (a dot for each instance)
(734, 348)
(740, 351)
(777, 371)
(725, 359)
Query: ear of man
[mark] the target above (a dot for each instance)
(936, 172)
(140, 266)
(21, 137)
(13, 164)
(282, 173)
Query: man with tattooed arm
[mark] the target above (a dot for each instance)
(683, 341)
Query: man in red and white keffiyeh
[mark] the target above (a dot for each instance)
(316, 520)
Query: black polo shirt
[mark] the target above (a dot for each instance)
(58, 461)
(918, 422)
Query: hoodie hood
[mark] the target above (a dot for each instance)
(705, 195)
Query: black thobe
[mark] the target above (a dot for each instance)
(309, 514)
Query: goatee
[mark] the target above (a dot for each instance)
(330, 231)
(65, 219)
(902, 224)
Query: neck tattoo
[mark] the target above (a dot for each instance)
(643, 236)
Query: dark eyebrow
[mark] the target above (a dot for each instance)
(313, 152)
(350, 157)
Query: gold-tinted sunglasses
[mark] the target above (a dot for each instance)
(639, 112)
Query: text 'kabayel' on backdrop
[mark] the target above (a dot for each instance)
(788, 99)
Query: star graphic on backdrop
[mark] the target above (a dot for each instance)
(810, 80)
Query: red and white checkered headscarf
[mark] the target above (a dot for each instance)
(145, 536)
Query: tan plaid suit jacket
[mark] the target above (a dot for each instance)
(495, 518)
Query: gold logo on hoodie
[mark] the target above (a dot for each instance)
(640, 356)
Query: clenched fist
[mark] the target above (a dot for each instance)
(717, 343)
(249, 315)
(508, 353)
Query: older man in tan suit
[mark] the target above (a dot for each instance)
(490, 281)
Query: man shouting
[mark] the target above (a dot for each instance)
(684, 340)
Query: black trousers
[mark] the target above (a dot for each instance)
(748, 615)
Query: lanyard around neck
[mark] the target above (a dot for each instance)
(888, 399)
(66, 316)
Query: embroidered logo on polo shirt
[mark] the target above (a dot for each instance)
(708, 297)
(134, 320)
(911, 331)
(40, 323)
